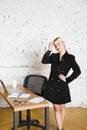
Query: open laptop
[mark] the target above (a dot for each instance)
(10, 90)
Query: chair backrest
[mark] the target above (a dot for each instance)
(35, 83)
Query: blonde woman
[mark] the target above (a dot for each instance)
(57, 90)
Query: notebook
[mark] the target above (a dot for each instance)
(16, 95)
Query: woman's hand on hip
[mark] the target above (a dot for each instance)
(62, 77)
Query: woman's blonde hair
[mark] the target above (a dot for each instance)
(57, 38)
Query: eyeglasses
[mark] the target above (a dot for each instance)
(17, 102)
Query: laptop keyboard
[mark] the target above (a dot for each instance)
(14, 90)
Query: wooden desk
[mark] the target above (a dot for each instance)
(27, 106)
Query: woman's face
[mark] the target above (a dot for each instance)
(59, 45)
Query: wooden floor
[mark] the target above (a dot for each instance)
(76, 119)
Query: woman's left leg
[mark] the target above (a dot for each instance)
(59, 111)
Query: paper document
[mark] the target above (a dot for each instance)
(16, 95)
(37, 100)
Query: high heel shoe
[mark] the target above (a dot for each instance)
(61, 129)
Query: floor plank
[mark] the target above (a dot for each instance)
(76, 119)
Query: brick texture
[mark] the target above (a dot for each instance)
(26, 27)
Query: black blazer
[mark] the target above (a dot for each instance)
(68, 61)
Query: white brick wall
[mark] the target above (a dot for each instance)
(26, 27)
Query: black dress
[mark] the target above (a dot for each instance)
(57, 91)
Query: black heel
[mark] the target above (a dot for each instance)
(61, 129)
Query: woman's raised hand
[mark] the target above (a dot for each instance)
(50, 45)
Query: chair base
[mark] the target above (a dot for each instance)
(31, 123)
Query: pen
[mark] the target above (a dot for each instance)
(19, 95)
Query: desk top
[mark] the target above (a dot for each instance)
(27, 105)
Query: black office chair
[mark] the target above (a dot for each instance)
(35, 83)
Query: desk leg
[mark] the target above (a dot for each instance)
(28, 119)
(46, 118)
(15, 121)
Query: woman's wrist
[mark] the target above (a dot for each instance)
(49, 49)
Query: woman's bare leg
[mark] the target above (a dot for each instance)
(59, 112)
(62, 112)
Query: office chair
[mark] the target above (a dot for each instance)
(35, 83)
